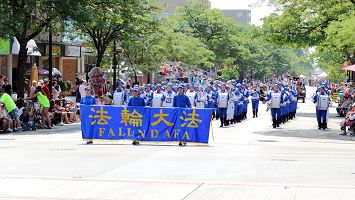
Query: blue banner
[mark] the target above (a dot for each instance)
(145, 123)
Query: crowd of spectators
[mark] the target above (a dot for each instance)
(344, 94)
(38, 110)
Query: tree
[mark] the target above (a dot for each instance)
(210, 26)
(26, 19)
(229, 72)
(148, 45)
(304, 22)
(341, 36)
(144, 50)
(106, 21)
(326, 25)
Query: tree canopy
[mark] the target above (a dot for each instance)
(326, 25)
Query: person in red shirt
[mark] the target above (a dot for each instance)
(45, 88)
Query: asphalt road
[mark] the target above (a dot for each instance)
(245, 161)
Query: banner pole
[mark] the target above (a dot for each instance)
(211, 128)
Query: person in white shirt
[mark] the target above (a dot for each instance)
(158, 97)
(119, 96)
(201, 98)
(82, 89)
(191, 94)
(169, 96)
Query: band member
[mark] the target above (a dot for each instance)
(255, 98)
(192, 95)
(246, 100)
(201, 98)
(148, 95)
(230, 108)
(119, 96)
(158, 97)
(169, 96)
(181, 101)
(275, 100)
(136, 100)
(211, 100)
(293, 105)
(222, 102)
(238, 104)
(322, 101)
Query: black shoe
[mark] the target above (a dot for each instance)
(180, 143)
(6, 131)
(274, 123)
(226, 123)
(135, 142)
(89, 142)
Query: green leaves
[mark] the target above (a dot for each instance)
(229, 72)
(327, 25)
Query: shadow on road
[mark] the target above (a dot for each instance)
(307, 133)
(66, 129)
(313, 115)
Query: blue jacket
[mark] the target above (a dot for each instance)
(88, 100)
(181, 101)
(136, 101)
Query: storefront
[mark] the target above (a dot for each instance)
(56, 53)
(88, 61)
(71, 62)
(4, 54)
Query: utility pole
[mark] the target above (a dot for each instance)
(50, 56)
(114, 65)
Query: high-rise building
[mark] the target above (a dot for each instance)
(240, 16)
(170, 6)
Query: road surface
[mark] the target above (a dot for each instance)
(248, 161)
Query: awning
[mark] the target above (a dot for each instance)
(349, 68)
(32, 49)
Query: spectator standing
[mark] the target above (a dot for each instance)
(82, 89)
(56, 90)
(45, 89)
(44, 103)
(33, 88)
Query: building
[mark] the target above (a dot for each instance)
(66, 56)
(171, 6)
(240, 16)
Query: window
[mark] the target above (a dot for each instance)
(239, 14)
